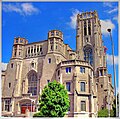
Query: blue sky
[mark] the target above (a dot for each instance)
(33, 21)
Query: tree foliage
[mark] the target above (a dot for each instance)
(54, 101)
(103, 113)
(114, 106)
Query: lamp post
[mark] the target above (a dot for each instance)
(112, 43)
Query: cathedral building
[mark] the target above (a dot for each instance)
(83, 71)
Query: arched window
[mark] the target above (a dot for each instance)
(89, 27)
(85, 28)
(32, 83)
(88, 56)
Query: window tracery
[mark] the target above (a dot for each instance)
(88, 56)
(32, 83)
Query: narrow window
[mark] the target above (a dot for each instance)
(89, 30)
(82, 69)
(9, 85)
(37, 48)
(101, 86)
(11, 65)
(16, 40)
(87, 40)
(85, 28)
(7, 104)
(49, 60)
(68, 86)
(68, 69)
(21, 41)
(57, 33)
(29, 50)
(58, 72)
(19, 53)
(109, 79)
(101, 73)
(32, 64)
(15, 53)
(83, 106)
(85, 31)
(32, 50)
(40, 49)
(89, 27)
(82, 86)
(52, 33)
(56, 46)
(51, 47)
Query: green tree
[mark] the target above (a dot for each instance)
(54, 101)
(103, 113)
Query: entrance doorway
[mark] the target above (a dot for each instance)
(25, 107)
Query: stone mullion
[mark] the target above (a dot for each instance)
(36, 49)
(30, 51)
(33, 50)
(18, 108)
(27, 51)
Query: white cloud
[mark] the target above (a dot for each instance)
(29, 8)
(73, 18)
(107, 4)
(3, 66)
(22, 9)
(11, 8)
(113, 10)
(105, 24)
(110, 59)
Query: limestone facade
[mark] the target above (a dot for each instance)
(83, 72)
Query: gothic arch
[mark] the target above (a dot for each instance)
(32, 82)
(88, 54)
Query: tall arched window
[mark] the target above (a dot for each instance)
(89, 27)
(85, 28)
(32, 83)
(88, 56)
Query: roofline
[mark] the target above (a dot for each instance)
(36, 42)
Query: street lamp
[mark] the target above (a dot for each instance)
(112, 43)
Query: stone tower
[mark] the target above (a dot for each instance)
(55, 41)
(89, 44)
(18, 48)
(89, 47)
